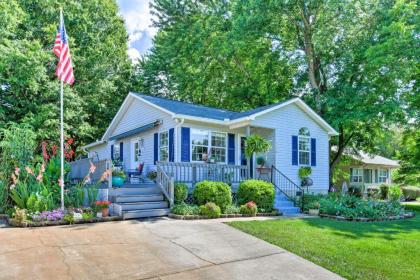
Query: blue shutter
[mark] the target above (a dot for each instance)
(185, 144)
(294, 150)
(376, 176)
(112, 152)
(171, 145)
(231, 148)
(313, 152)
(155, 148)
(121, 151)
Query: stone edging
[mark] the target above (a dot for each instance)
(390, 218)
(198, 217)
(15, 223)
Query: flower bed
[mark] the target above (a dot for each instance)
(200, 217)
(407, 215)
(27, 223)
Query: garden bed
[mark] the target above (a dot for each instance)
(200, 217)
(361, 219)
(17, 223)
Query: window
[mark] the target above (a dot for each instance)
(163, 146)
(367, 176)
(356, 175)
(206, 145)
(138, 148)
(116, 154)
(304, 146)
(383, 176)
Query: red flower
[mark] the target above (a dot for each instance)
(251, 204)
(54, 150)
(70, 141)
(45, 154)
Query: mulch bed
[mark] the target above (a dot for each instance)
(198, 217)
(390, 218)
(15, 223)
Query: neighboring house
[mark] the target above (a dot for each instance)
(369, 170)
(149, 129)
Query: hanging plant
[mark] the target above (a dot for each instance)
(304, 172)
(256, 144)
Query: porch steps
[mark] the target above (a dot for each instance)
(284, 205)
(139, 201)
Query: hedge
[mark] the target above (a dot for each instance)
(217, 192)
(261, 192)
(411, 193)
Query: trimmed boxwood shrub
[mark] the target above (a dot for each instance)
(383, 191)
(261, 192)
(210, 210)
(180, 192)
(217, 192)
(185, 209)
(249, 209)
(411, 193)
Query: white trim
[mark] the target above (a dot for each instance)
(209, 146)
(159, 133)
(94, 144)
(201, 119)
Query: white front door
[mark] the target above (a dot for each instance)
(137, 148)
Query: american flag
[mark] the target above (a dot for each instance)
(61, 49)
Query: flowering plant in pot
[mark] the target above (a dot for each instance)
(118, 177)
(314, 208)
(102, 205)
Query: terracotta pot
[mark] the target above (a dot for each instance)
(105, 212)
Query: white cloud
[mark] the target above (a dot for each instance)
(134, 54)
(138, 21)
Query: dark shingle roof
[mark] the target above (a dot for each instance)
(179, 107)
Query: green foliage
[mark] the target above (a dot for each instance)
(394, 193)
(185, 209)
(232, 209)
(310, 199)
(92, 193)
(256, 144)
(69, 219)
(217, 192)
(20, 214)
(356, 191)
(261, 192)
(180, 192)
(118, 173)
(261, 161)
(383, 191)
(411, 193)
(313, 205)
(249, 209)
(3, 196)
(409, 172)
(304, 172)
(210, 210)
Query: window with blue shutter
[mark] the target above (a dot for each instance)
(185, 144)
(121, 151)
(155, 147)
(313, 152)
(171, 145)
(294, 150)
(231, 148)
(112, 152)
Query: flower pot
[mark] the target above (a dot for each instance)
(105, 212)
(313, 212)
(99, 214)
(117, 181)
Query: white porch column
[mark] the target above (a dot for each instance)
(248, 161)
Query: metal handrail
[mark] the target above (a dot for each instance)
(166, 184)
(287, 187)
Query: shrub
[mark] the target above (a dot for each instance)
(210, 210)
(313, 205)
(232, 209)
(261, 192)
(383, 190)
(249, 209)
(217, 192)
(180, 192)
(394, 193)
(309, 199)
(185, 209)
(373, 193)
(355, 191)
(411, 193)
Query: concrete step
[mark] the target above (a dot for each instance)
(135, 214)
(138, 198)
(136, 191)
(283, 203)
(289, 210)
(143, 205)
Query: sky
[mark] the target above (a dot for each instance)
(138, 21)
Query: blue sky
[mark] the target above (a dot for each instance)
(136, 14)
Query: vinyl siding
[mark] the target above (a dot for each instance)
(287, 121)
(99, 152)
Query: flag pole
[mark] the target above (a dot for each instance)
(61, 132)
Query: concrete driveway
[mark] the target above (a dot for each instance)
(153, 249)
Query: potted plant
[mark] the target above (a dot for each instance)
(256, 144)
(118, 177)
(152, 175)
(261, 161)
(314, 208)
(304, 173)
(103, 207)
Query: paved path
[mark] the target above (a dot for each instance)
(153, 249)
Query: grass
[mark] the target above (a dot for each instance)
(354, 250)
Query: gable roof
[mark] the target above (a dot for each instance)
(375, 159)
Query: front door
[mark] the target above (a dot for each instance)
(137, 146)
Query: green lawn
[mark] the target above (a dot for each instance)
(382, 250)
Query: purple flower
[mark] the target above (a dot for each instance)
(54, 215)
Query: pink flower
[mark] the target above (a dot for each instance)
(60, 182)
(105, 175)
(29, 170)
(42, 168)
(17, 171)
(14, 179)
(39, 177)
(12, 186)
(92, 168)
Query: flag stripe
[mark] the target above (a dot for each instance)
(64, 70)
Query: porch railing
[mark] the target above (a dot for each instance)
(287, 187)
(166, 184)
(186, 172)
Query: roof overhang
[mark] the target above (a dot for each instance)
(136, 130)
(94, 144)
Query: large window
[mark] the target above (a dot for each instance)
(304, 146)
(383, 176)
(163, 146)
(356, 175)
(367, 176)
(208, 145)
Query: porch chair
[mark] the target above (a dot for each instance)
(136, 173)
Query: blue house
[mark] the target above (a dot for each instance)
(185, 142)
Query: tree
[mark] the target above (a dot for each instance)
(30, 91)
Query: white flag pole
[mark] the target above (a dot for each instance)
(61, 127)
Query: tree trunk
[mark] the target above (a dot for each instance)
(342, 144)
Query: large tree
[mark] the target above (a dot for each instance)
(355, 62)
(29, 91)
